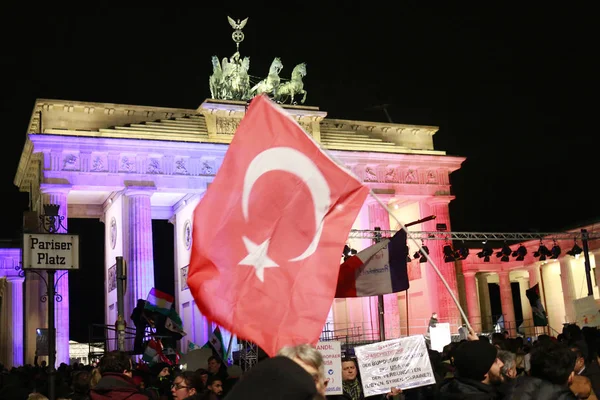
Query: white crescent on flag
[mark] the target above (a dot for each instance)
(293, 161)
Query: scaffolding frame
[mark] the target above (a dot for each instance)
(249, 351)
(476, 236)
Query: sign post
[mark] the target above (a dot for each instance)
(51, 252)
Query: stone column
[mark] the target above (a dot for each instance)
(472, 300)
(57, 194)
(139, 252)
(568, 288)
(508, 309)
(15, 290)
(447, 308)
(484, 297)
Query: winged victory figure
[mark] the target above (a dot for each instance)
(239, 25)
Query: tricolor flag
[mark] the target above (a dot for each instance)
(216, 343)
(378, 269)
(154, 353)
(158, 301)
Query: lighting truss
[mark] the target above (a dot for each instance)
(475, 236)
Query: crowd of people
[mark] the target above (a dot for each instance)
(479, 367)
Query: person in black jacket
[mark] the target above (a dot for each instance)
(478, 372)
(551, 375)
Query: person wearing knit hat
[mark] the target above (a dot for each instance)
(275, 378)
(478, 372)
(473, 360)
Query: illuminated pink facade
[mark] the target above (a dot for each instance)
(126, 165)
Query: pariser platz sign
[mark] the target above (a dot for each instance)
(50, 251)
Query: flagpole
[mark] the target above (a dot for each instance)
(385, 207)
(435, 268)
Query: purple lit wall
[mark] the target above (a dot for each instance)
(11, 313)
(57, 194)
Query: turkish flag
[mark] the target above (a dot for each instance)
(269, 232)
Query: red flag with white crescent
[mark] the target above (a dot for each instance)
(269, 232)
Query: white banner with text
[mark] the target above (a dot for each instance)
(332, 358)
(401, 363)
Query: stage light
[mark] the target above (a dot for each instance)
(449, 254)
(555, 251)
(486, 252)
(462, 253)
(504, 253)
(542, 252)
(421, 256)
(575, 251)
(520, 253)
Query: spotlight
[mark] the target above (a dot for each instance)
(555, 251)
(542, 252)
(485, 253)
(377, 236)
(421, 256)
(520, 253)
(575, 251)
(504, 253)
(449, 255)
(462, 253)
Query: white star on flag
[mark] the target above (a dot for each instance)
(257, 257)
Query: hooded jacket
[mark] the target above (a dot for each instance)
(114, 386)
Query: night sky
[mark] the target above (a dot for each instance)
(512, 90)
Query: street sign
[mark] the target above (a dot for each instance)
(50, 251)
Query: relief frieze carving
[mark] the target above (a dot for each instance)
(370, 175)
(98, 164)
(227, 126)
(127, 164)
(431, 177)
(180, 168)
(154, 166)
(70, 162)
(411, 176)
(207, 168)
(307, 126)
(391, 175)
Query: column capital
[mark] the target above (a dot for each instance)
(139, 191)
(51, 188)
(469, 274)
(503, 273)
(15, 278)
(446, 199)
(385, 198)
(532, 268)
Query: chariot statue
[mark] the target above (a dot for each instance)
(231, 80)
(271, 82)
(288, 90)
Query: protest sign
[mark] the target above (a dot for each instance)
(586, 311)
(440, 336)
(401, 363)
(332, 358)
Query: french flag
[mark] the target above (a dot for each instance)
(378, 269)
